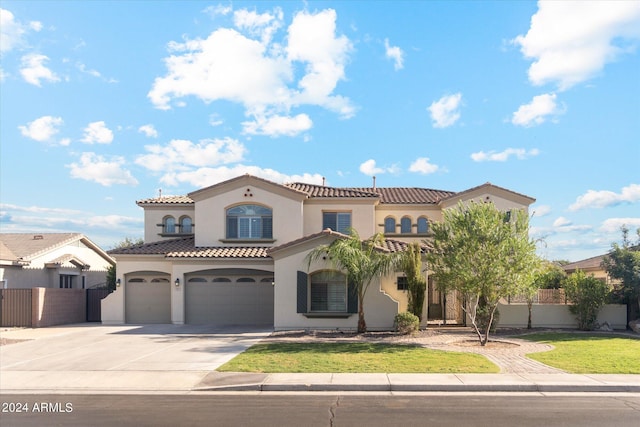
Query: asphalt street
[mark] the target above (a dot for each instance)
(319, 409)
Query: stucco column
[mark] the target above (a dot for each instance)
(177, 296)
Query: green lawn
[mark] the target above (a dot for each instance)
(355, 357)
(583, 353)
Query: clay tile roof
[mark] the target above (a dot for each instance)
(166, 200)
(410, 195)
(593, 262)
(323, 191)
(222, 252)
(185, 248)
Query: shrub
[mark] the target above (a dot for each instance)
(587, 295)
(406, 323)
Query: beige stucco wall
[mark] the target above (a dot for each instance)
(146, 266)
(211, 215)
(154, 215)
(503, 200)
(362, 215)
(556, 316)
(379, 307)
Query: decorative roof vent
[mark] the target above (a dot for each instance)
(38, 237)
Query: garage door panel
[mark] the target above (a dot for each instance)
(229, 303)
(148, 302)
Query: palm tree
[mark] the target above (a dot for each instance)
(362, 260)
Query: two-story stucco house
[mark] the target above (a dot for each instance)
(234, 253)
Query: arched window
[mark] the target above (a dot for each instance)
(329, 291)
(423, 225)
(249, 222)
(186, 225)
(197, 280)
(221, 280)
(389, 225)
(169, 225)
(405, 225)
(246, 280)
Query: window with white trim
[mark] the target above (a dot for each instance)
(337, 221)
(328, 291)
(249, 222)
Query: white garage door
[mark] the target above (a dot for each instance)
(229, 303)
(148, 301)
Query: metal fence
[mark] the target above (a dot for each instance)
(15, 309)
(544, 296)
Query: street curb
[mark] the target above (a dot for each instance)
(512, 388)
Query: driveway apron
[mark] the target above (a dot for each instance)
(123, 357)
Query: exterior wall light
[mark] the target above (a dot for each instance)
(118, 282)
(177, 282)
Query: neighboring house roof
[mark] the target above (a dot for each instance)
(27, 246)
(585, 264)
(6, 254)
(70, 259)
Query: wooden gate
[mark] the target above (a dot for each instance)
(94, 297)
(444, 308)
(15, 307)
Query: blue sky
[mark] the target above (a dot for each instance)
(105, 103)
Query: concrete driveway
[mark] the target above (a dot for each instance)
(118, 358)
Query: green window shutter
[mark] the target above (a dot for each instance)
(352, 298)
(302, 292)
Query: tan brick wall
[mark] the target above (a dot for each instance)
(51, 306)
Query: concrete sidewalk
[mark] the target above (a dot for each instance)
(34, 382)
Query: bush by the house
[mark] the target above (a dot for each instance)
(587, 295)
(406, 323)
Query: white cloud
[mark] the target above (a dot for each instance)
(604, 198)
(97, 132)
(181, 154)
(33, 69)
(445, 111)
(262, 25)
(204, 177)
(215, 120)
(278, 125)
(42, 129)
(369, 168)
(540, 211)
(571, 41)
(245, 66)
(503, 156)
(96, 168)
(614, 225)
(394, 53)
(537, 111)
(149, 131)
(12, 31)
(422, 165)
(561, 221)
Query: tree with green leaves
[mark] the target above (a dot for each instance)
(483, 254)
(587, 295)
(411, 266)
(111, 271)
(549, 275)
(362, 260)
(623, 266)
